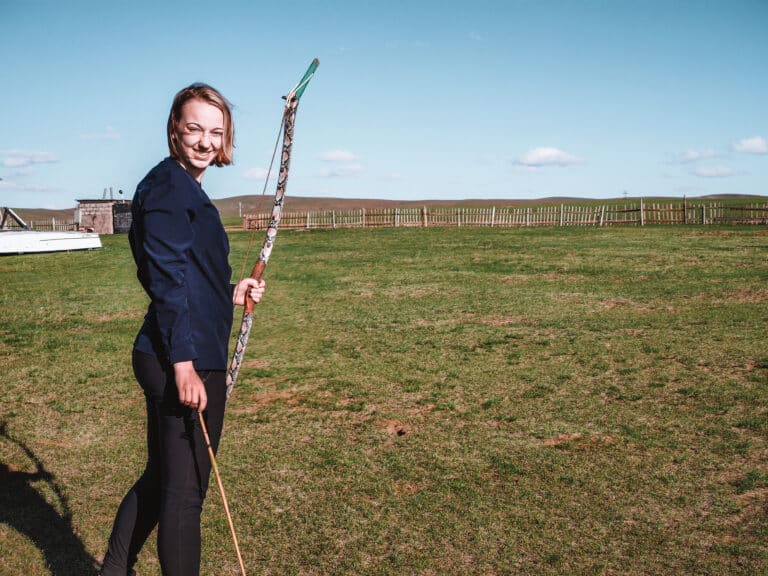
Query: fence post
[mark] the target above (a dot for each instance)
(642, 212)
(424, 219)
(602, 214)
(397, 217)
(362, 215)
(307, 226)
(493, 215)
(561, 214)
(333, 218)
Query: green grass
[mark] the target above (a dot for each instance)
(421, 401)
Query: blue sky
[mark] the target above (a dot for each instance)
(413, 99)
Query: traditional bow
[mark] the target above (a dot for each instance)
(289, 117)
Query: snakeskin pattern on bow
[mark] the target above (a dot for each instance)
(289, 118)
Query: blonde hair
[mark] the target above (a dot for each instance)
(200, 91)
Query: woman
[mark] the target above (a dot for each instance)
(180, 353)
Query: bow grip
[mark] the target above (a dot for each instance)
(256, 274)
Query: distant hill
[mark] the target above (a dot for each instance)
(43, 214)
(235, 205)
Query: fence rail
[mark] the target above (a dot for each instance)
(51, 225)
(639, 214)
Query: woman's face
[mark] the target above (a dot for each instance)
(199, 133)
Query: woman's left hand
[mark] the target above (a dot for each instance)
(253, 288)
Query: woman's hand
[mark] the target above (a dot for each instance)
(254, 289)
(189, 385)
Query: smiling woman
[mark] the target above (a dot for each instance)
(200, 129)
(180, 353)
(198, 136)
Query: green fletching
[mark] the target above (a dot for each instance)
(301, 86)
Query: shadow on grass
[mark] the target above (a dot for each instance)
(24, 509)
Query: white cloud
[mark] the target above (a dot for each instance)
(345, 162)
(109, 134)
(713, 172)
(21, 172)
(338, 156)
(22, 158)
(256, 174)
(695, 155)
(546, 156)
(753, 145)
(342, 171)
(9, 186)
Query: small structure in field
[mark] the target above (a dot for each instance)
(105, 216)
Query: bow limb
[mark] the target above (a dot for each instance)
(289, 118)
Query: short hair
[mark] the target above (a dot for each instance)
(206, 93)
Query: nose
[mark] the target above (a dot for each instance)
(205, 140)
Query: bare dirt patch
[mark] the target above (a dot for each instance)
(515, 280)
(500, 321)
(395, 428)
(747, 295)
(578, 440)
(256, 402)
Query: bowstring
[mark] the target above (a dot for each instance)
(246, 258)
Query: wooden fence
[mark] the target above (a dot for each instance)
(51, 225)
(640, 214)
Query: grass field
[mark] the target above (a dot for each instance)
(560, 401)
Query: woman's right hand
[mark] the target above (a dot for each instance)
(189, 385)
(253, 288)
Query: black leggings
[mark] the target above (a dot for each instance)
(171, 490)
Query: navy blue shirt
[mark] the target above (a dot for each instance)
(182, 255)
